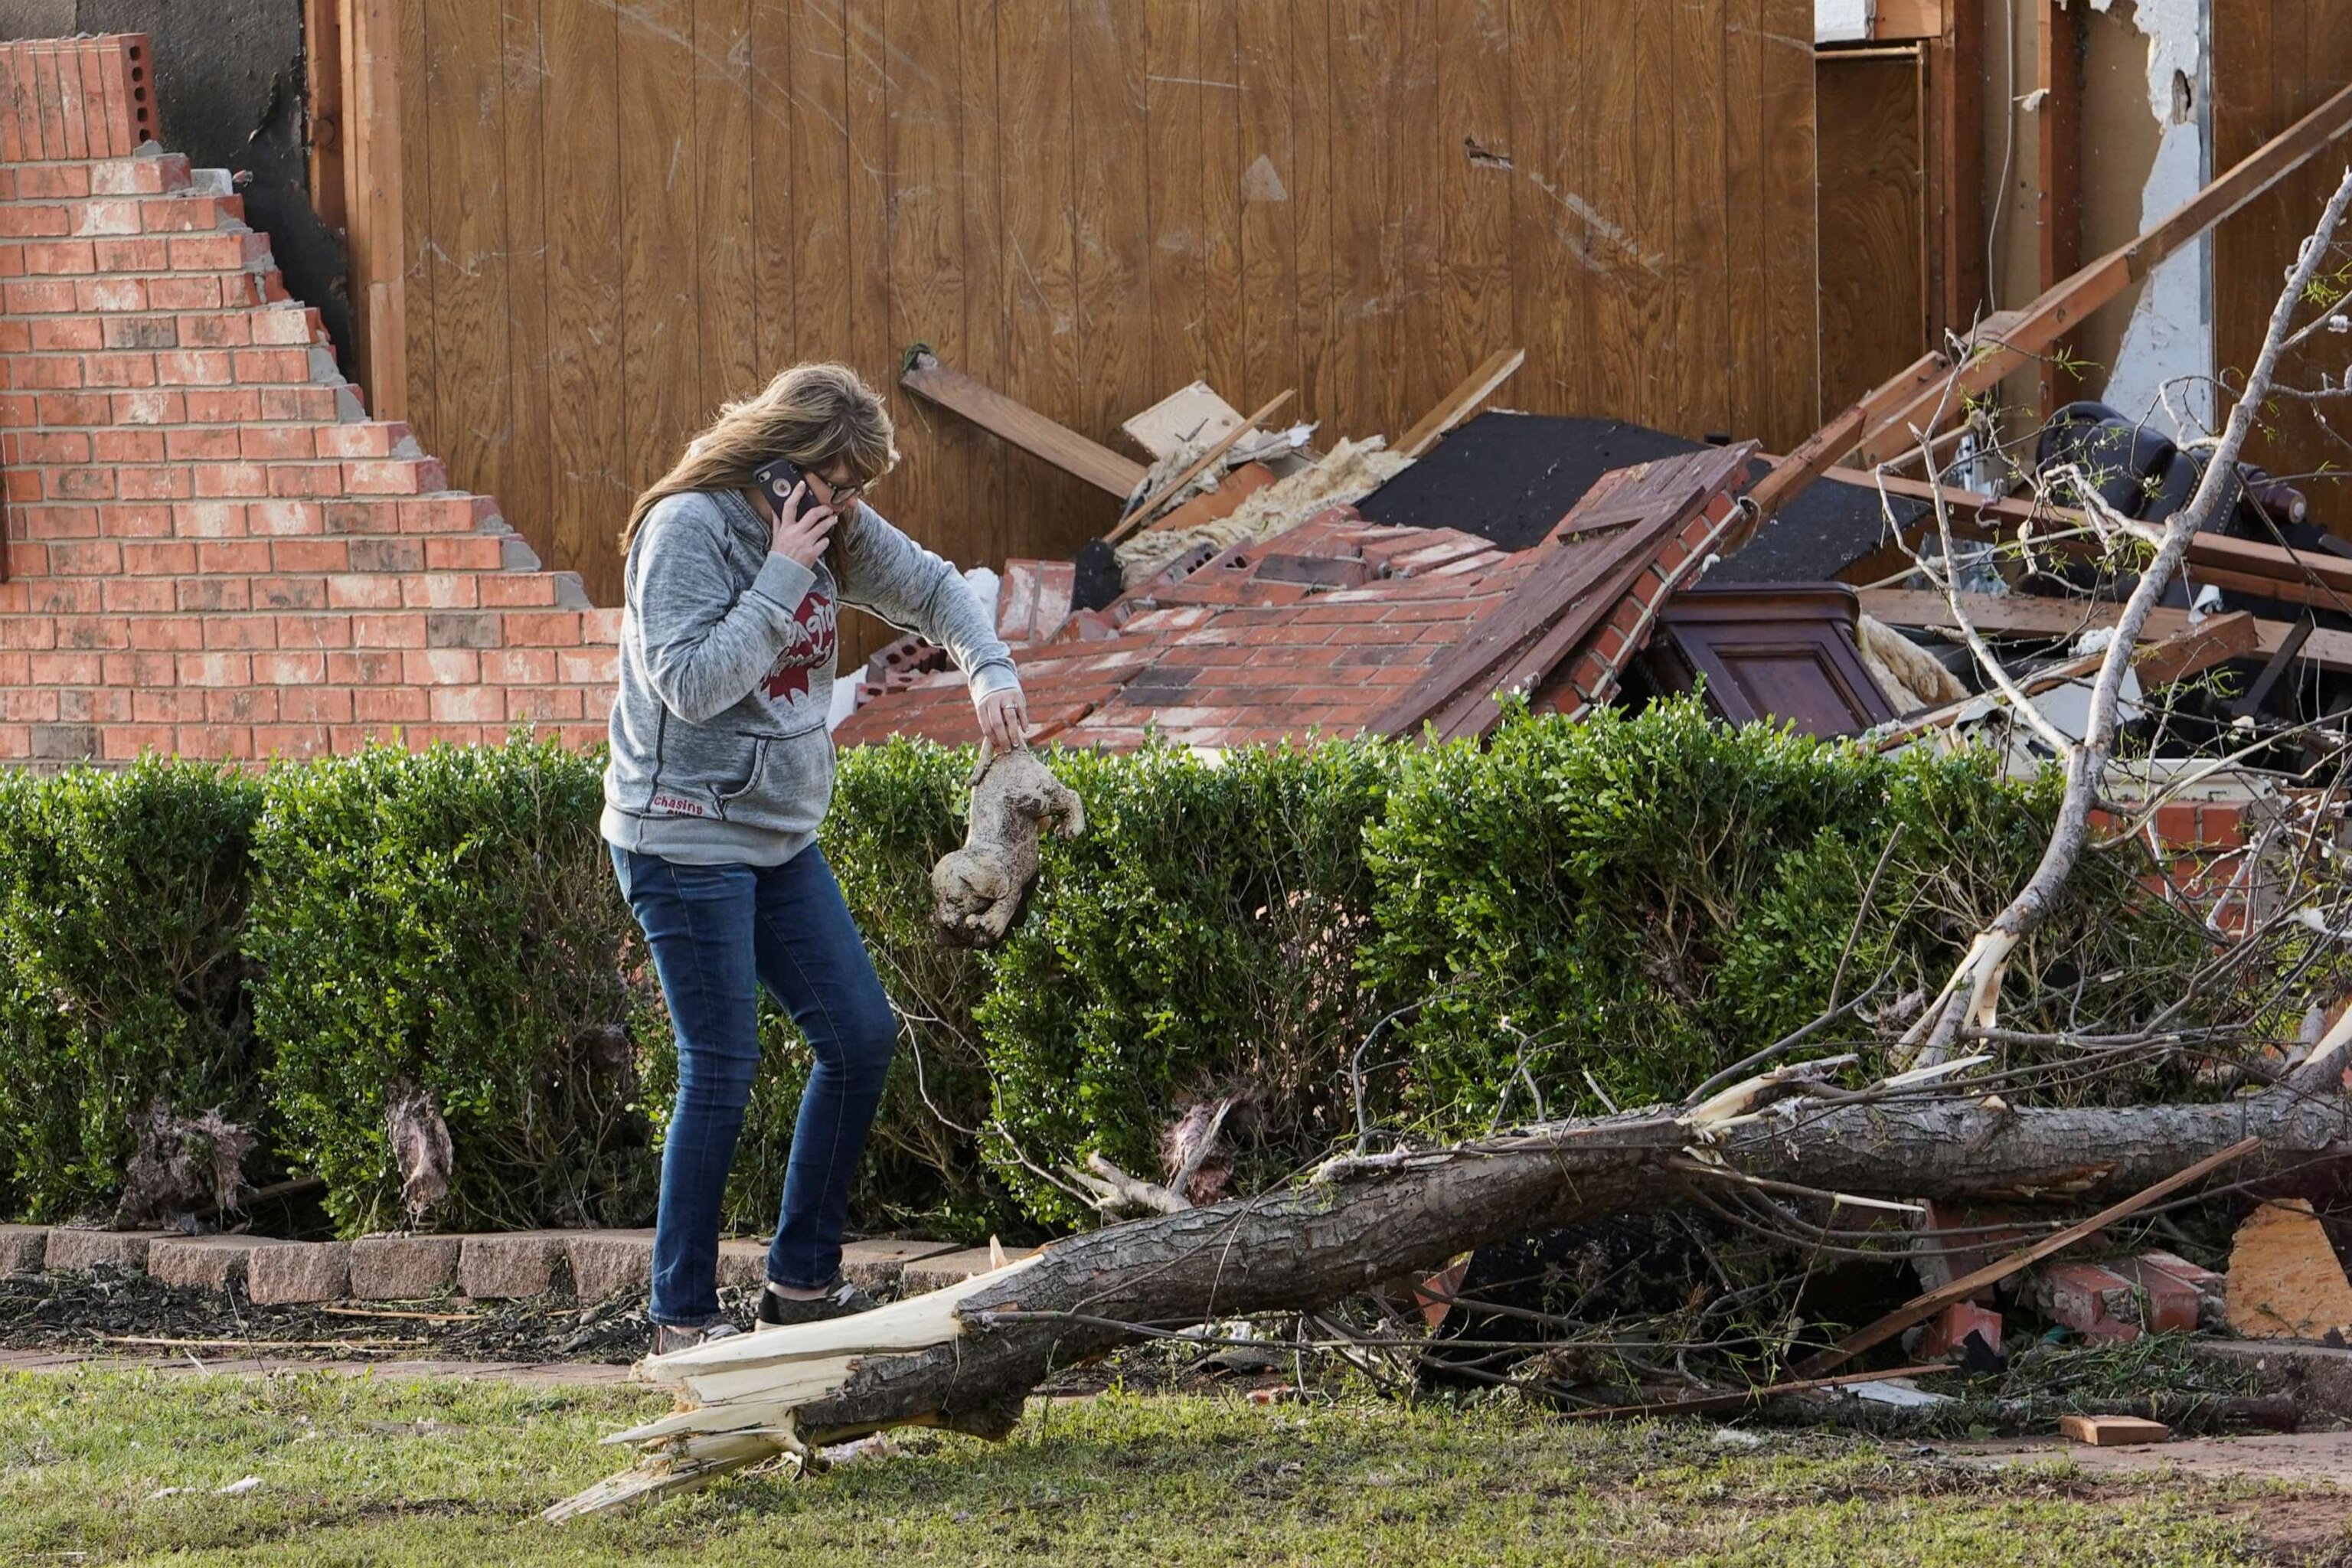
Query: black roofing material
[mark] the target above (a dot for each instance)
(1510, 478)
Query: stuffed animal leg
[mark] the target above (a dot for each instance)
(982, 888)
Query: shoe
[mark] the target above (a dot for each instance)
(841, 1299)
(671, 1338)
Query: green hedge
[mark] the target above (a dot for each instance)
(122, 896)
(1625, 903)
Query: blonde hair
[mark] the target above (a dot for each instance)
(812, 413)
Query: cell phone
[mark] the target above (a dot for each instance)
(776, 481)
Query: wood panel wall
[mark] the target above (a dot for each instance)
(619, 212)
(2273, 64)
(1871, 108)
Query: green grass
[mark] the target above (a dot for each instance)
(391, 1473)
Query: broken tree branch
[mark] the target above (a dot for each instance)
(960, 1359)
(1972, 993)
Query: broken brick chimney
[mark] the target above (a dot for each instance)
(210, 549)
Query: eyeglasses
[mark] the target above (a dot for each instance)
(839, 496)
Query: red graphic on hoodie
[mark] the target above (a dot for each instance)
(816, 639)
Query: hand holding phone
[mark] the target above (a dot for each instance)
(802, 526)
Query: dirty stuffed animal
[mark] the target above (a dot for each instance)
(981, 886)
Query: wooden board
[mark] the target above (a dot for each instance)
(2112, 1431)
(610, 218)
(1872, 222)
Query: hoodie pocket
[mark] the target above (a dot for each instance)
(753, 770)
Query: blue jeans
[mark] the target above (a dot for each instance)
(716, 934)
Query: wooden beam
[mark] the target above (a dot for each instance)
(372, 165)
(1903, 20)
(1023, 425)
(1463, 401)
(1952, 116)
(322, 87)
(2058, 126)
(1928, 394)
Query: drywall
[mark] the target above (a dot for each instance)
(2163, 368)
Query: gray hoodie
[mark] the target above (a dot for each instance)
(720, 752)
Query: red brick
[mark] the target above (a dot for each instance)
(544, 704)
(241, 705)
(250, 479)
(278, 592)
(203, 442)
(100, 218)
(62, 335)
(285, 518)
(215, 669)
(167, 705)
(364, 438)
(363, 590)
(368, 668)
(52, 371)
(391, 705)
(441, 666)
(143, 254)
(182, 293)
(127, 743)
(216, 557)
(542, 628)
(149, 406)
(283, 443)
(79, 557)
(53, 258)
(513, 590)
(242, 632)
(139, 593)
(289, 669)
(213, 330)
(462, 553)
(291, 741)
(215, 595)
(469, 705)
(194, 367)
(442, 590)
(171, 634)
(309, 554)
(129, 446)
(400, 631)
(314, 704)
(214, 742)
(2092, 1300)
(314, 631)
(209, 520)
(520, 667)
(188, 213)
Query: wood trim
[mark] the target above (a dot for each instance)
(1907, 19)
(372, 169)
(2031, 616)
(323, 83)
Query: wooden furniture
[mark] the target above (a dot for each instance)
(1781, 654)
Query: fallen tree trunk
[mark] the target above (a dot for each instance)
(966, 1358)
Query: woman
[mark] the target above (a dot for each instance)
(721, 770)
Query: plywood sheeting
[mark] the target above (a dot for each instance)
(618, 215)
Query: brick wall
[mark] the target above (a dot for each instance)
(211, 550)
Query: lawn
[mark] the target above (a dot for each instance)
(395, 1472)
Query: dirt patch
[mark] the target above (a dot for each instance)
(2300, 1531)
(110, 1313)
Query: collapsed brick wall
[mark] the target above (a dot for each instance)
(211, 550)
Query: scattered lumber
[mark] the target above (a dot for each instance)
(966, 1358)
(1920, 1308)
(1141, 513)
(2028, 615)
(2242, 566)
(1931, 394)
(2190, 650)
(2112, 1431)
(1463, 401)
(2284, 1281)
(1019, 424)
